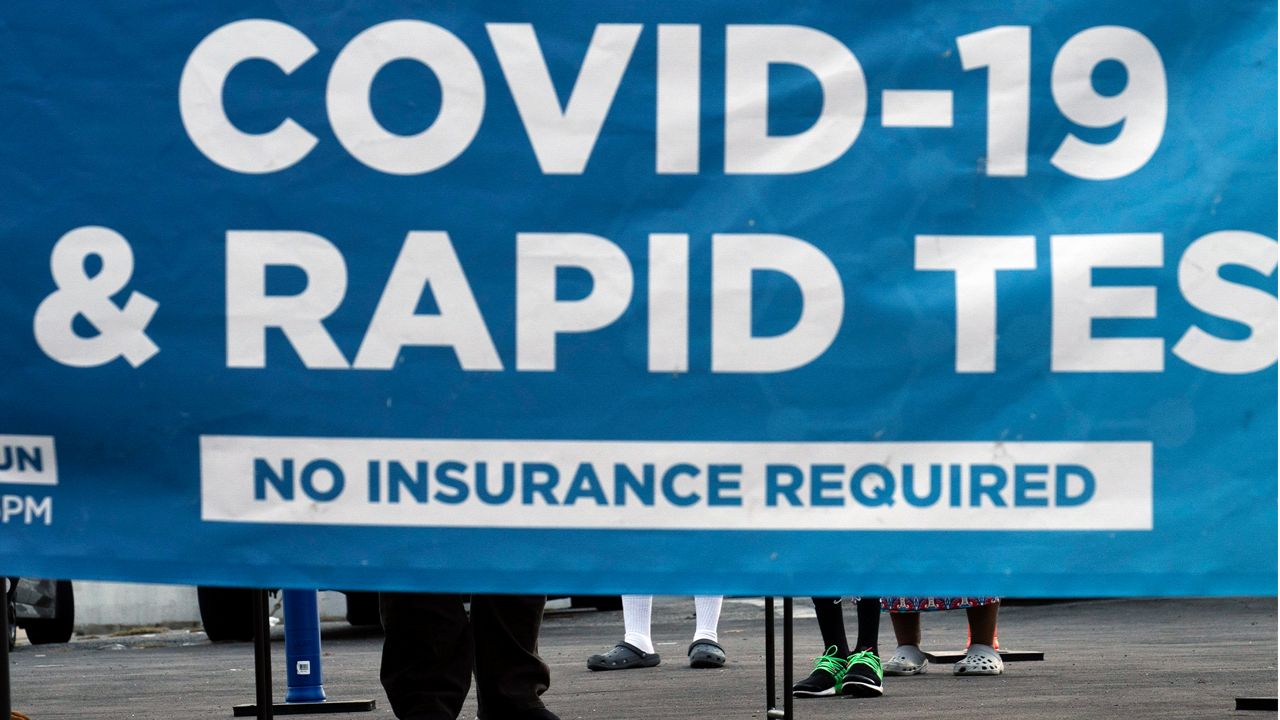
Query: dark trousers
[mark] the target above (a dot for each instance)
(431, 647)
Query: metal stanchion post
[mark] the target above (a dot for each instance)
(262, 654)
(770, 667)
(770, 697)
(6, 705)
(787, 695)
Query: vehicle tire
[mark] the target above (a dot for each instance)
(362, 609)
(58, 628)
(13, 622)
(226, 613)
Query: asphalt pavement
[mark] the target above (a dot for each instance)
(1130, 659)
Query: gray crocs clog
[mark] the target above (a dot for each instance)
(623, 656)
(706, 654)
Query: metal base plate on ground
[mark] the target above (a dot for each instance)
(1005, 655)
(316, 708)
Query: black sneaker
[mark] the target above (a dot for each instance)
(864, 678)
(824, 681)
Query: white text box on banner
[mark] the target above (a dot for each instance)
(678, 485)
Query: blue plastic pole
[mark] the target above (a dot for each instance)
(302, 647)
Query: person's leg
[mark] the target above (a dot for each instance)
(981, 658)
(982, 624)
(907, 658)
(865, 675)
(637, 615)
(830, 666)
(426, 656)
(705, 650)
(510, 676)
(868, 625)
(906, 627)
(707, 610)
(636, 648)
(830, 614)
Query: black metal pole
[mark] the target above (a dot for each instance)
(262, 654)
(770, 697)
(786, 658)
(6, 705)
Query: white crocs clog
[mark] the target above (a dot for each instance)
(979, 660)
(907, 660)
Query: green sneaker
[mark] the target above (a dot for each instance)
(824, 681)
(864, 678)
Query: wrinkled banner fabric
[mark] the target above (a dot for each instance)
(740, 297)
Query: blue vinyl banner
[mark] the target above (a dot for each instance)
(718, 297)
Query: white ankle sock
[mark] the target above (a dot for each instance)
(708, 611)
(637, 610)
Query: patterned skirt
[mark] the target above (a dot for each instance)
(926, 604)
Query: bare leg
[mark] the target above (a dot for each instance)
(907, 658)
(906, 627)
(982, 624)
